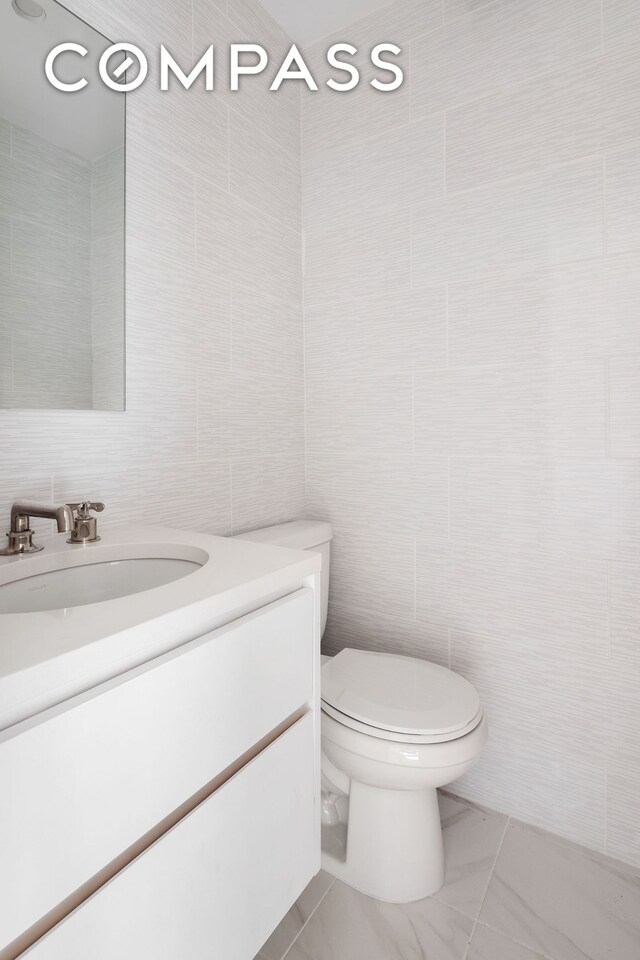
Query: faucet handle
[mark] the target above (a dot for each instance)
(86, 527)
(84, 507)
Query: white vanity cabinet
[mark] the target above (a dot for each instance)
(172, 811)
(209, 888)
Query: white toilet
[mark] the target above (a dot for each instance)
(394, 729)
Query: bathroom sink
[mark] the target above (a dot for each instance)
(73, 616)
(94, 582)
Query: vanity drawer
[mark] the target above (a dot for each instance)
(213, 887)
(84, 781)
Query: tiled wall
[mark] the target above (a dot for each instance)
(472, 329)
(45, 273)
(107, 281)
(213, 434)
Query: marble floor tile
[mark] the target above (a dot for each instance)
(488, 944)
(563, 901)
(288, 929)
(472, 838)
(349, 926)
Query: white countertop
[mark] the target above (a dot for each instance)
(47, 657)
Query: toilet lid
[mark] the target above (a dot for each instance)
(398, 694)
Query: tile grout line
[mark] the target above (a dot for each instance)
(482, 278)
(608, 564)
(503, 88)
(606, 810)
(607, 402)
(475, 922)
(193, 37)
(506, 936)
(231, 494)
(413, 414)
(309, 918)
(415, 579)
(604, 207)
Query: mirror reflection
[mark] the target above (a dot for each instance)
(61, 219)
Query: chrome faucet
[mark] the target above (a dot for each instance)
(21, 536)
(85, 527)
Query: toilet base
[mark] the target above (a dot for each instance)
(394, 844)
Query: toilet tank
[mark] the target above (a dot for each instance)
(301, 535)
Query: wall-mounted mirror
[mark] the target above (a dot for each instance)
(61, 218)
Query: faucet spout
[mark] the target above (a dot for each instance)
(22, 511)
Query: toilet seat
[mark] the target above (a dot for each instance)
(398, 698)
(392, 735)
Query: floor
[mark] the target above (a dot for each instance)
(511, 892)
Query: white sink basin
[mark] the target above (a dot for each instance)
(80, 585)
(73, 616)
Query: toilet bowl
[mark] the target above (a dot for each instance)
(393, 730)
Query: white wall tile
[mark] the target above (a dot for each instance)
(399, 170)
(146, 492)
(6, 367)
(263, 171)
(402, 494)
(5, 138)
(276, 115)
(579, 310)
(589, 508)
(535, 685)
(160, 211)
(239, 243)
(623, 201)
(349, 626)
(377, 333)
(619, 686)
(541, 782)
(189, 128)
(267, 335)
(372, 415)
(373, 573)
(433, 588)
(213, 416)
(511, 226)
(461, 8)
(267, 415)
(359, 112)
(620, 25)
(369, 254)
(167, 22)
(564, 116)
(512, 410)
(267, 491)
(625, 613)
(624, 406)
(497, 46)
(623, 811)
(543, 599)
